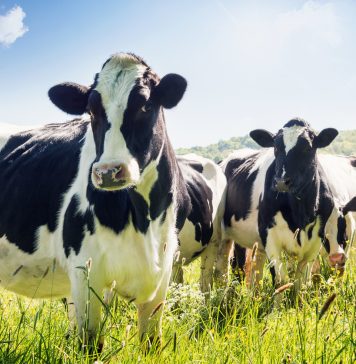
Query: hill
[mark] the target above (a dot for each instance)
(344, 144)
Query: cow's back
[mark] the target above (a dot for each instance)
(36, 168)
(340, 174)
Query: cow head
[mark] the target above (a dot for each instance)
(125, 104)
(295, 148)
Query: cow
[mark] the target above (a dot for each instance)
(95, 203)
(287, 197)
(201, 232)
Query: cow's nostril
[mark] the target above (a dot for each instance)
(287, 181)
(119, 172)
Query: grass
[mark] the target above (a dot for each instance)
(232, 327)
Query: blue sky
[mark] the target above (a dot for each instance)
(249, 64)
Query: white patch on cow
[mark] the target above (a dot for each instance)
(341, 177)
(280, 238)
(41, 271)
(149, 177)
(115, 83)
(283, 172)
(136, 261)
(291, 135)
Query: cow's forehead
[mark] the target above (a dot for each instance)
(117, 78)
(292, 134)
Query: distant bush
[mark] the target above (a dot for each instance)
(344, 144)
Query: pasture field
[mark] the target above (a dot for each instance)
(232, 327)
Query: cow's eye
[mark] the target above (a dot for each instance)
(147, 107)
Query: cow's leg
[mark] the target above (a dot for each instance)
(87, 307)
(223, 263)
(150, 316)
(238, 262)
(70, 308)
(274, 256)
(302, 275)
(208, 259)
(254, 267)
(177, 273)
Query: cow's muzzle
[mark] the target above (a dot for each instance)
(282, 184)
(111, 177)
(338, 261)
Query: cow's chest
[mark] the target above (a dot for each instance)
(302, 243)
(130, 261)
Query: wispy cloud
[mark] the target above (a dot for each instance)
(12, 26)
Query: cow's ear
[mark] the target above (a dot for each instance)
(170, 90)
(325, 137)
(263, 138)
(70, 97)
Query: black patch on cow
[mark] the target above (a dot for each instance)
(239, 187)
(238, 260)
(350, 206)
(99, 121)
(161, 195)
(201, 200)
(353, 161)
(341, 231)
(114, 208)
(75, 225)
(296, 122)
(36, 169)
(310, 230)
(326, 244)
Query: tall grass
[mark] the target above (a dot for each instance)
(231, 327)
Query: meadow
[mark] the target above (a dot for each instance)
(233, 326)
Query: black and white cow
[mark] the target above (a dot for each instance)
(107, 191)
(288, 198)
(201, 232)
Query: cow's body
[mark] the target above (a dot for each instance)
(297, 223)
(102, 194)
(201, 232)
(349, 211)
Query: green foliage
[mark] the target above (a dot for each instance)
(231, 327)
(344, 144)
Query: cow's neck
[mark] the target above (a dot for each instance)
(157, 182)
(305, 205)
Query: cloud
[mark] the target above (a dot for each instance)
(12, 26)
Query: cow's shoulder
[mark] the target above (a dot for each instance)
(246, 172)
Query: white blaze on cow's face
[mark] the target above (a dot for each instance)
(114, 85)
(291, 136)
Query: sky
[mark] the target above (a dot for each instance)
(249, 63)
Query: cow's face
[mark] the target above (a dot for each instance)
(295, 148)
(125, 106)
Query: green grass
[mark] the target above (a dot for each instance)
(232, 327)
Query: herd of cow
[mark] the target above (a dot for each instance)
(109, 194)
